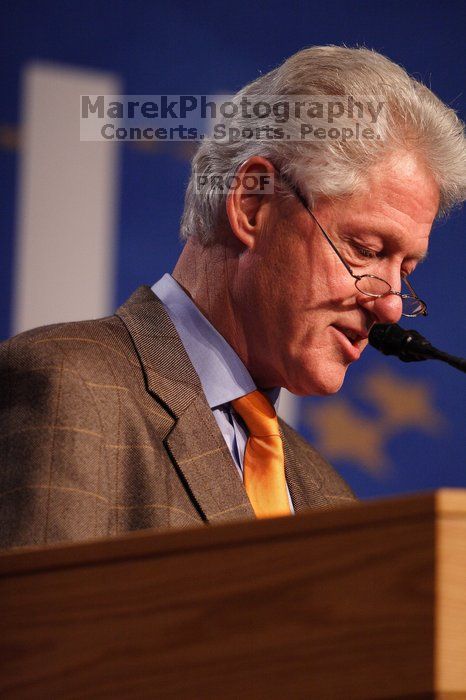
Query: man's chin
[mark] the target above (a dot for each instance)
(324, 383)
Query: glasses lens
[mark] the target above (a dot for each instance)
(372, 286)
(413, 306)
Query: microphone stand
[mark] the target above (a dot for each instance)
(457, 362)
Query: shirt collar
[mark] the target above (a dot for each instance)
(222, 374)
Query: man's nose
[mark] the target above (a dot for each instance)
(386, 309)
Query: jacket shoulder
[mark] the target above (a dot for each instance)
(61, 374)
(65, 342)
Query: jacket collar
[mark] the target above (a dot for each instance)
(168, 371)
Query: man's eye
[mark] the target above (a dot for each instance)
(364, 252)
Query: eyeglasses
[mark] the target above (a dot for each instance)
(370, 285)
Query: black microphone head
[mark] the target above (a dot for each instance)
(391, 339)
(387, 337)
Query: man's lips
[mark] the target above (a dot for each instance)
(352, 333)
(353, 339)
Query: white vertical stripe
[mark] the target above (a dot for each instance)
(66, 202)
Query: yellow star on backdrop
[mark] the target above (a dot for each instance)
(402, 403)
(343, 432)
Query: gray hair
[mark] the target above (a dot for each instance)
(413, 119)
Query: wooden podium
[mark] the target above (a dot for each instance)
(366, 601)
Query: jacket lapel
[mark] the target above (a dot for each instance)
(193, 439)
(199, 451)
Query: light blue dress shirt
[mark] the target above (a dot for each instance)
(222, 374)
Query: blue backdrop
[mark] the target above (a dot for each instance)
(393, 427)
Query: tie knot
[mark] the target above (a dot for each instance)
(258, 414)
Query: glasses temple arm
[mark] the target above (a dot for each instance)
(302, 199)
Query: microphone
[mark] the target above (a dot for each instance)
(409, 346)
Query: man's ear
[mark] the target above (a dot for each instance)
(248, 204)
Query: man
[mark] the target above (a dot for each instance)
(162, 415)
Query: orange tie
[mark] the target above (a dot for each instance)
(264, 462)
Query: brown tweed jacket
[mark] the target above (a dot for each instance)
(104, 428)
